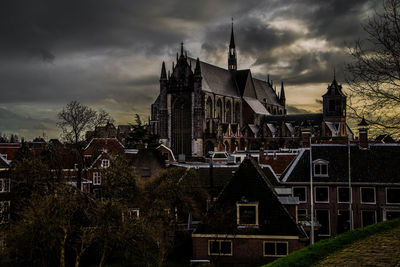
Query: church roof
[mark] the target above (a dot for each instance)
(216, 80)
(264, 91)
(256, 106)
(224, 82)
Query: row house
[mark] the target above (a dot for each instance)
(353, 186)
(5, 195)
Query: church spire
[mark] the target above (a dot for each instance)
(282, 96)
(232, 63)
(163, 72)
(197, 69)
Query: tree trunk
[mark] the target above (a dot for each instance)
(77, 260)
(62, 256)
(103, 255)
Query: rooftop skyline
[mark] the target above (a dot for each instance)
(108, 54)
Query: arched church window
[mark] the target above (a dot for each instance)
(219, 109)
(209, 108)
(228, 112)
(237, 112)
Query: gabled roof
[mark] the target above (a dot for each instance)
(377, 164)
(250, 184)
(256, 106)
(97, 145)
(265, 91)
(3, 163)
(216, 80)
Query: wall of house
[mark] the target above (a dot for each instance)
(244, 250)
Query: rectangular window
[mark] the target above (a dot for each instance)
(320, 169)
(367, 195)
(275, 248)
(302, 214)
(343, 195)
(368, 217)
(98, 194)
(247, 214)
(301, 193)
(4, 185)
(220, 247)
(343, 221)
(96, 178)
(393, 195)
(391, 214)
(322, 194)
(324, 221)
(4, 212)
(105, 163)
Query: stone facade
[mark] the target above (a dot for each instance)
(202, 107)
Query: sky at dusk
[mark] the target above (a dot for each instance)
(108, 54)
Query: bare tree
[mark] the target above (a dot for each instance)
(374, 76)
(75, 120)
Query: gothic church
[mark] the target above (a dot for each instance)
(202, 107)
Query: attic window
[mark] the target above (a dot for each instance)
(320, 168)
(247, 214)
(105, 163)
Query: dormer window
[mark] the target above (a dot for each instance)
(105, 163)
(247, 214)
(320, 167)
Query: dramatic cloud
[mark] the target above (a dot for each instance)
(108, 53)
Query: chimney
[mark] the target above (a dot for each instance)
(363, 133)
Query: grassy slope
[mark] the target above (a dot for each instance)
(310, 255)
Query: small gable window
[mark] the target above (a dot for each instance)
(320, 167)
(105, 163)
(220, 247)
(275, 248)
(247, 214)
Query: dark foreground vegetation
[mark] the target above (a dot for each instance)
(311, 255)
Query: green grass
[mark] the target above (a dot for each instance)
(312, 254)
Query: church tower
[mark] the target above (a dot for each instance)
(232, 63)
(334, 106)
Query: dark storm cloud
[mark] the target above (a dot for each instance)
(337, 22)
(101, 51)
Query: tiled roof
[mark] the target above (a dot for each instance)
(264, 91)
(256, 106)
(377, 164)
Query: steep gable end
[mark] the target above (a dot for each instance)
(249, 185)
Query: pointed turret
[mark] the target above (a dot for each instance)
(282, 97)
(197, 69)
(163, 72)
(182, 49)
(232, 62)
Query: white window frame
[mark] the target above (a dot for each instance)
(3, 182)
(219, 242)
(321, 162)
(329, 221)
(96, 178)
(305, 191)
(297, 213)
(361, 188)
(350, 194)
(362, 217)
(275, 242)
(315, 194)
(388, 210)
(386, 190)
(351, 217)
(105, 165)
(2, 221)
(250, 204)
